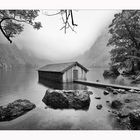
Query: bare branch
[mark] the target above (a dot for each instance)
(54, 14)
(67, 19)
(72, 19)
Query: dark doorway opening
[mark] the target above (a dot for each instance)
(75, 75)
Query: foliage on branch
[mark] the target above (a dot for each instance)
(12, 21)
(125, 39)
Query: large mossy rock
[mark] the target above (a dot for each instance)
(116, 104)
(15, 109)
(112, 72)
(56, 100)
(66, 99)
(78, 99)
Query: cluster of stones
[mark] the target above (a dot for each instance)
(126, 108)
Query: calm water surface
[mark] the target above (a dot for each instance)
(25, 84)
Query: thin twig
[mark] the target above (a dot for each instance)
(53, 14)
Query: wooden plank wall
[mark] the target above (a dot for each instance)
(54, 76)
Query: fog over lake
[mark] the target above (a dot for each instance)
(69, 70)
(24, 84)
(51, 42)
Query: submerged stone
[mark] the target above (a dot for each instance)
(127, 107)
(114, 112)
(59, 99)
(111, 73)
(107, 101)
(128, 100)
(135, 119)
(123, 113)
(99, 106)
(122, 91)
(133, 91)
(106, 92)
(89, 92)
(15, 109)
(116, 104)
(115, 92)
(98, 98)
(110, 89)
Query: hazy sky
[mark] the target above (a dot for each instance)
(50, 42)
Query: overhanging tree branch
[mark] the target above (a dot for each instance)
(10, 21)
(7, 37)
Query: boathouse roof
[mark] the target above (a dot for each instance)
(61, 67)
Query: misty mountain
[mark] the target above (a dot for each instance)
(32, 60)
(20, 54)
(11, 56)
(98, 54)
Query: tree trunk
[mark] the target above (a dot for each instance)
(1, 29)
(138, 65)
(133, 68)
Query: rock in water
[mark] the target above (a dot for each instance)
(121, 91)
(56, 100)
(98, 98)
(116, 104)
(107, 101)
(15, 109)
(115, 92)
(109, 89)
(99, 107)
(135, 119)
(111, 73)
(59, 99)
(89, 92)
(106, 92)
(127, 108)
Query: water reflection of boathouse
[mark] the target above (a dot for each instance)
(61, 86)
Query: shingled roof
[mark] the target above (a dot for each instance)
(61, 67)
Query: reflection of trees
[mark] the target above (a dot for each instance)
(16, 79)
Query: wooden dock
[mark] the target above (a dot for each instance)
(103, 85)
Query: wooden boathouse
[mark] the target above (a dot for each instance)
(63, 72)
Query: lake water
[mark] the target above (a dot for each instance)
(25, 84)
